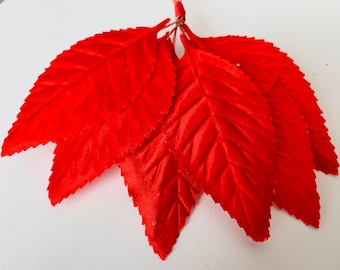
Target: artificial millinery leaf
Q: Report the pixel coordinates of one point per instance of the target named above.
(278, 78)
(295, 187)
(95, 79)
(81, 158)
(220, 131)
(161, 191)
(268, 67)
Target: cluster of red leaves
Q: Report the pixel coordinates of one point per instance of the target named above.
(233, 118)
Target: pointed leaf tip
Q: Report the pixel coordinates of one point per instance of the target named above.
(159, 189)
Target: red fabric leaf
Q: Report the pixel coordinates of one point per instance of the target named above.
(81, 158)
(295, 180)
(161, 191)
(95, 79)
(295, 189)
(220, 131)
(267, 66)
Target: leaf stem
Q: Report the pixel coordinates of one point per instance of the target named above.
(179, 10)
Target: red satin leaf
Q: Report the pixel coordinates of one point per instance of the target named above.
(161, 191)
(295, 180)
(295, 189)
(160, 188)
(85, 85)
(81, 158)
(220, 131)
(267, 67)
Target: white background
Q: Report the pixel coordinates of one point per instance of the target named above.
(99, 228)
